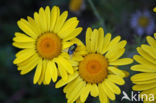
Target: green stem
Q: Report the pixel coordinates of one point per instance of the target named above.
(96, 13)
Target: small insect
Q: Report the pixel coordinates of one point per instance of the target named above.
(72, 49)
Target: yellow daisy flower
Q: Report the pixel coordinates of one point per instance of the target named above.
(146, 80)
(43, 42)
(97, 73)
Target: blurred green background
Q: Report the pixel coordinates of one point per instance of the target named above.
(116, 15)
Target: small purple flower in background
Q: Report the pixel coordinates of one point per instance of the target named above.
(143, 23)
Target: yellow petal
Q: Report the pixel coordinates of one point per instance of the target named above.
(38, 72)
(146, 55)
(42, 19)
(143, 68)
(76, 92)
(114, 42)
(116, 79)
(106, 42)
(143, 61)
(23, 55)
(88, 38)
(94, 90)
(145, 82)
(116, 71)
(85, 92)
(65, 64)
(151, 41)
(141, 87)
(62, 70)
(35, 26)
(113, 54)
(23, 38)
(150, 50)
(94, 38)
(100, 40)
(143, 76)
(26, 28)
(73, 34)
(113, 87)
(47, 16)
(61, 82)
(108, 91)
(27, 68)
(102, 95)
(24, 45)
(53, 71)
(123, 61)
(42, 76)
(60, 21)
(68, 27)
(55, 12)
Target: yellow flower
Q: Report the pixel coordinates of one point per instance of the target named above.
(146, 80)
(75, 5)
(43, 42)
(97, 73)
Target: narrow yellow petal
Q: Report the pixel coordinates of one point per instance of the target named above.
(60, 21)
(143, 61)
(23, 38)
(140, 87)
(24, 45)
(35, 26)
(42, 76)
(143, 76)
(116, 79)
(146, 55)
(48, 73)
(108, 91)
(85, 92)
(68, 27)
(151, 41)
(94, 38)
(100, 40)
(106, 42)
(23, 55)
(62, 70)
(143, 68)
(75, 33)
(102, 95)
(53, 71)
(47, 15)
(65, 64)
(145, 82)
(123, 61)
(116, 71)
(114, 54)
(42, 19)
(88, 38)
(27, 68)
(155, 35)
(26, 28)
(94, 90)
(150, 50)
(38, 72)
(113, 42)
(76, 92)
(55, 12)
(113, 87)
(61, 82)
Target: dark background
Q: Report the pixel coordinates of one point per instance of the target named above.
(15, 88)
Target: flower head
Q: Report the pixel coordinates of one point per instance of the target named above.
(97, 73)
(142, 23)
(146, 80)
(43, 43)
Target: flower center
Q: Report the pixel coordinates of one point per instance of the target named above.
(143, 21)
(48, 45)
(93, 68)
